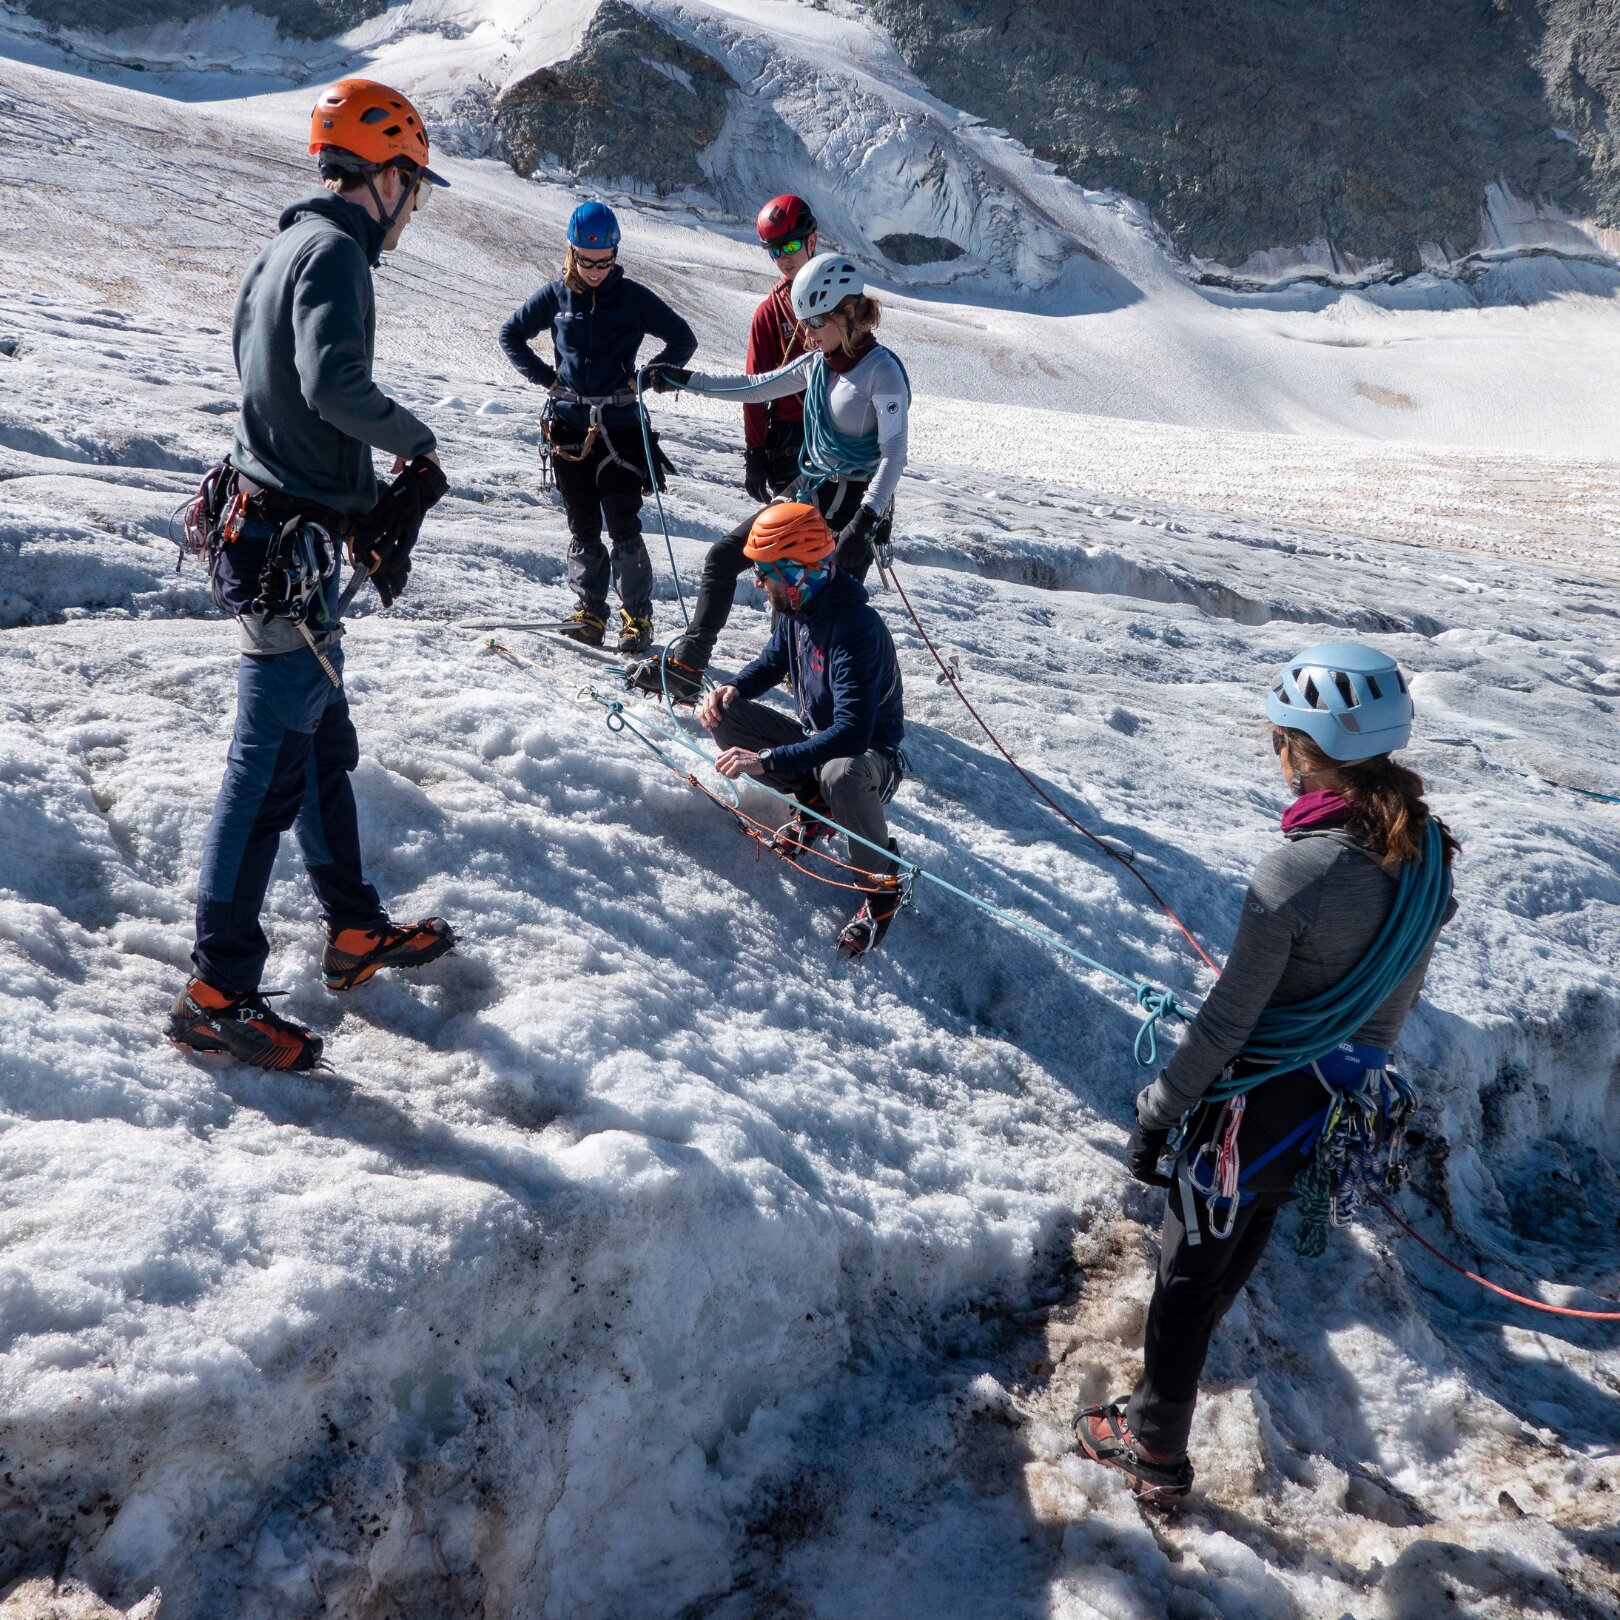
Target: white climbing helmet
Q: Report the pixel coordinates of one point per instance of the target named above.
(824, 283)
(1350, 700)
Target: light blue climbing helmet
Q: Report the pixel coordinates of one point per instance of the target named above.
(593, 225)
(1350, 700)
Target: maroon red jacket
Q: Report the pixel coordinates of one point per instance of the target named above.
(774, 339)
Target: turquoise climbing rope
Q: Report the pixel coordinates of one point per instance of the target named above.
(1295, 1036)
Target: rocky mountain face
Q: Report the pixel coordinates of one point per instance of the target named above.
(1244, 126)
(1372, 124)
(633, 101)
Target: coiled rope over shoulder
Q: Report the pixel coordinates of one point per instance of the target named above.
(1295, 1036)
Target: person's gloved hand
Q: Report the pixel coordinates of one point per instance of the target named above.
(667, 379)
(548, 374)
(1142, 1154)
(853, 549)
(1145, 1148)
(384, 537)
(757, 473)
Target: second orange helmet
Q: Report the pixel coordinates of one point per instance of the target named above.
(790, 531)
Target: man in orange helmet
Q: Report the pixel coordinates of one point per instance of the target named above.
(300, 479)
(841, 756)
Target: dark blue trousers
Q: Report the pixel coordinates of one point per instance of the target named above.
(289, 763)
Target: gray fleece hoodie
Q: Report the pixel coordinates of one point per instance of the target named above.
(1312, 912)
(304, 337)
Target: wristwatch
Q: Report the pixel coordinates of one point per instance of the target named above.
(764, 757)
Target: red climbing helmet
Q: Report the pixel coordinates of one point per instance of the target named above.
(783, 218)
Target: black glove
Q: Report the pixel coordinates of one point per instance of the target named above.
(389, 530)
(1143, 1151)
(853, 550)
(548, 375)
(667, 379)
(757, 473)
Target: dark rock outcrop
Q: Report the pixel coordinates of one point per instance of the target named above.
(906, 247)
(632, 101)
(1373, 124)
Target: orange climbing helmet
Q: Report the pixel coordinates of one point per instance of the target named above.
(370, 122)
(790, 531)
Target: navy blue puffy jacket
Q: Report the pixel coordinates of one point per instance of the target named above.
(595, 336)
(838, 656)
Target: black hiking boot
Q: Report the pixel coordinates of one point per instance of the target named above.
(204, 1019)
(661, 672)
(352, 955)
(584, 626)
(1158, 1481)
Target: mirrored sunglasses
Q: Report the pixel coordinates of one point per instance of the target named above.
(794, 244)
(816, 322)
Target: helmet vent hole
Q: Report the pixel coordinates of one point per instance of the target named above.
(1346, 690)
(375, 115)
(1312, 696)
(1372, 686)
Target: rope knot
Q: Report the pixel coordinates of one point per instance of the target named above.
(1156, 1004)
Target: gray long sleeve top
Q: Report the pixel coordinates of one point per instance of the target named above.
(871, 397)
(1312, 912)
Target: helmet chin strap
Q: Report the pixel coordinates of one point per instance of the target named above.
(388, 219)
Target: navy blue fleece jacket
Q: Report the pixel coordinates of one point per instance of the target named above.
(595, 336)
(838, 657)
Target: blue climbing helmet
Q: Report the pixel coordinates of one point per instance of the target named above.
(1350, 700)
(592, 225)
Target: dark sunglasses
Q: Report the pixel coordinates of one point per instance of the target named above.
(1279, 741)
(417, 181)
(816, 322)
(794, 244)
(597, 264)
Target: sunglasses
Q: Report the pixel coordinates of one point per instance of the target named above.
(417, 181)
(783, 250)
(1279, 741)
(790, 574)
(597, 264)
(816, 322)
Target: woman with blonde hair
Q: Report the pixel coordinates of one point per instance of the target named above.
(857, 401)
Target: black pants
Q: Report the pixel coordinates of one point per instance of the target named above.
(855, 788)
(725, 565)
(1195, 1288)
(595, 489)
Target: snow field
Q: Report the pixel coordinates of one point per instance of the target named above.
(641, 1258)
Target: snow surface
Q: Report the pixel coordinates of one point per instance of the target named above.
(642, 1258)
